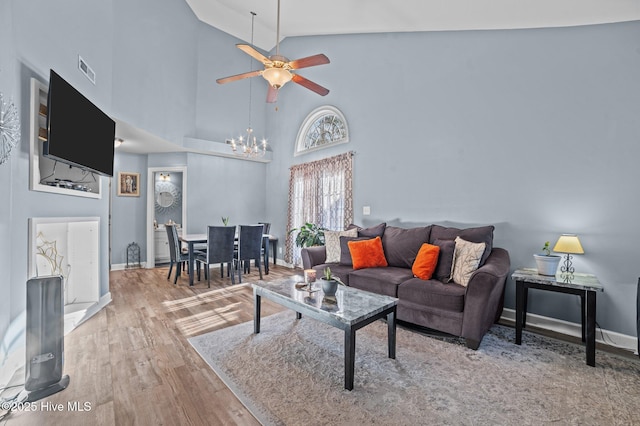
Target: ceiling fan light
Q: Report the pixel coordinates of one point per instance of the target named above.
(277, 77)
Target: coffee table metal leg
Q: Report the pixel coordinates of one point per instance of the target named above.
(391, 325)
(256, 312)
(349, 357)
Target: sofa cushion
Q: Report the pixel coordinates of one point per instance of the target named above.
(482, 234)
(367, 253)
(466, 259)
(401, 245)
(426, 261)
(433, 293)
(332, 243)
(371, 232)
(445, 259)
(345, 254)
(380, 280)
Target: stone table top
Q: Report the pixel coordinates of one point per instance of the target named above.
(349, 306)
(580, 281)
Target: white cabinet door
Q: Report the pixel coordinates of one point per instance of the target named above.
(161, 246)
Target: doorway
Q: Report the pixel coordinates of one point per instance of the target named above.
(166, 203)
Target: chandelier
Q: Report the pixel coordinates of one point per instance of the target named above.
(248, 146)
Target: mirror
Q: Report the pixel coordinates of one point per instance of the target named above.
(165, 199)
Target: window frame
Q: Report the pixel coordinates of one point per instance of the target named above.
(310, 122)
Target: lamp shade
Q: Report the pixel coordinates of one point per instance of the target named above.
(568, 243)
(277, 77)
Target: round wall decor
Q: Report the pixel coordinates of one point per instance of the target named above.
(9, 128)
(167, 197)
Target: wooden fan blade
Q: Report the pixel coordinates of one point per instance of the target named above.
(249, 50)
(309, 61)
(310, 85)
(238, 77)
(272, 95)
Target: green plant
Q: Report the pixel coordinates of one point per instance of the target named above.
(225, 220)
(328, 276)
(327, 273)
(309, 235)
(546, 250)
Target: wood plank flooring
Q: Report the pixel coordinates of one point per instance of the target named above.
(132, 362)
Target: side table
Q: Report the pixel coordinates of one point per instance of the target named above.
(584, 285)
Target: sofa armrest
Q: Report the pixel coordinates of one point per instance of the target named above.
(484, 298)
(312, 256)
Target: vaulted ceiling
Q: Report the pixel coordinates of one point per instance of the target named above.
(307, 17)
(313, 17)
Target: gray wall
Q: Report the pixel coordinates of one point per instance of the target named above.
(534, 131)
(224, 187)
(128, 214)
(154, 72)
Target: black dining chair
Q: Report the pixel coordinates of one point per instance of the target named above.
(249, 248)
(265, 243)
(220, 249)
(176, 255)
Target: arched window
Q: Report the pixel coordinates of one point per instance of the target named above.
(324, 126)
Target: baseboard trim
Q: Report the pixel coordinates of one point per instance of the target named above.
(281, 262)
(605, 337)
(123, 266)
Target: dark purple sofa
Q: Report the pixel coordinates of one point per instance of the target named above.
(449, 307)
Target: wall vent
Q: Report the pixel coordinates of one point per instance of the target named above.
(86, 70)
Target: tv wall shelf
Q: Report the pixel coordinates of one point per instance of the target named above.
(48, 175)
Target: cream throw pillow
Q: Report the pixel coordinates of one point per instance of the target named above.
(466, 259)
(332, 243)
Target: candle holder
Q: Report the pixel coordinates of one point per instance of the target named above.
(309, 278)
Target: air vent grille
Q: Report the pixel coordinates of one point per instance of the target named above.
(86, 70)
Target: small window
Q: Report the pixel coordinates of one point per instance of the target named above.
(324, 126)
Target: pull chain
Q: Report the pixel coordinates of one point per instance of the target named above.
(253, 17)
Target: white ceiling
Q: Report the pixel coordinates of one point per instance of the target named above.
(312, 17)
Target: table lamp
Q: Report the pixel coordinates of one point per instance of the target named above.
(568, 244)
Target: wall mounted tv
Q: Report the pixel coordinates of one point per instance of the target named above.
(78, 132)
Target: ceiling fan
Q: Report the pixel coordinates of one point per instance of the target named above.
(278, 69)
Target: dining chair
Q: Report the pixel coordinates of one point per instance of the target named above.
(220, 249)
(176, 255)
(265, 242)
(267, 226)
(249, 248)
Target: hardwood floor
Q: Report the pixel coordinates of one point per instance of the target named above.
(132, 364)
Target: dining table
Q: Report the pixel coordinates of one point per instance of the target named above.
(192, 239)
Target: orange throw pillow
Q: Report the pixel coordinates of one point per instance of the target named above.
(426, 261)
(367, 253)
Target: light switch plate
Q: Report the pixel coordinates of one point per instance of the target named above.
(366, 210)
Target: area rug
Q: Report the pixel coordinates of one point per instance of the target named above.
(292, 373)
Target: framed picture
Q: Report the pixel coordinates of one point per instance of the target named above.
(128, 184)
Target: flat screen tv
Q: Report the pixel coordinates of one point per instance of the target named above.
(78, 132)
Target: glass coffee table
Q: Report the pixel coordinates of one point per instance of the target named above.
(350, 310)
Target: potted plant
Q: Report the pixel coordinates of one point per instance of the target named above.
(225, 220)
(309, 235)
(547, 263)
(330, 283)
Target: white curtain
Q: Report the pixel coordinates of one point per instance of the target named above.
(320, 192)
